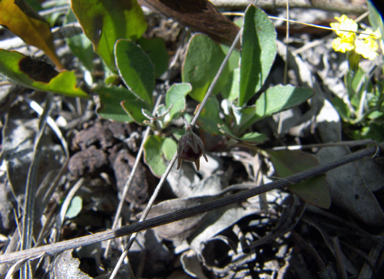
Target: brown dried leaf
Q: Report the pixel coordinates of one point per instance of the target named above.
(200, 15)
(179, 230)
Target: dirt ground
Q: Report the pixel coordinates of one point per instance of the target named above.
(273, 235)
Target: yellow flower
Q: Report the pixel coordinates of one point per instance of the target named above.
(367, 48)
(346, 28)
(342, 45)
(364, 44)
(369, 34)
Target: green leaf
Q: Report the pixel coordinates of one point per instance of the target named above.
(250, 138)
(314, 190)
(111, 98)
(209, 117)
(375, 19)
(374, 131)
(234, 59)
(156, 150)
(136, 69)
(75, 207)
(232, 87)
(258, 52)
(169, 148)
(175, 96)
(280, 98)
(358, 81)
(342, 108)
(348, 79)
(35, 4)
(375, 114)
(273, 100)
(202, 61)
(254, 137)
(133, 109)
(243, 115)
(38, 75)
(157, 52)
(80, 45)
(105, 21)
(55, 16)
(159, 115)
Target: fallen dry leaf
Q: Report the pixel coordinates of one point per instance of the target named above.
(200, 15)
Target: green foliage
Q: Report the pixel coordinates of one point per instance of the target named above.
(136, 69)
(134, 109)
(115, 30)
(273, 100)
(256, 59)
(104, 22)
(156, 149)
(175, 97)
(138, 65)
(363, 110)
(26, 23)
(80, 45)
(258, 52)
(157, 52)
(209, 117)
(375, 19)
(202, 61)
(111, 98)
(249, 138)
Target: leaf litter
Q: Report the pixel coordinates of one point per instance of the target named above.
(283, 238)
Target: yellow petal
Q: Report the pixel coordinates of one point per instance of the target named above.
(346, 28)
(341, 45)
(367, 48)
(334, 25)
(377, 34)
(368, 33)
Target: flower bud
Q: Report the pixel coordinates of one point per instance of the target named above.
(190, 147)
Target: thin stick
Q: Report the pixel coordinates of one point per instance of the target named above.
(318, 145)
(143, 216)
(128, 183)
(287, 50)
(58, 247)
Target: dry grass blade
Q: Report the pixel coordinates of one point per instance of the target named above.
(30, 190)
